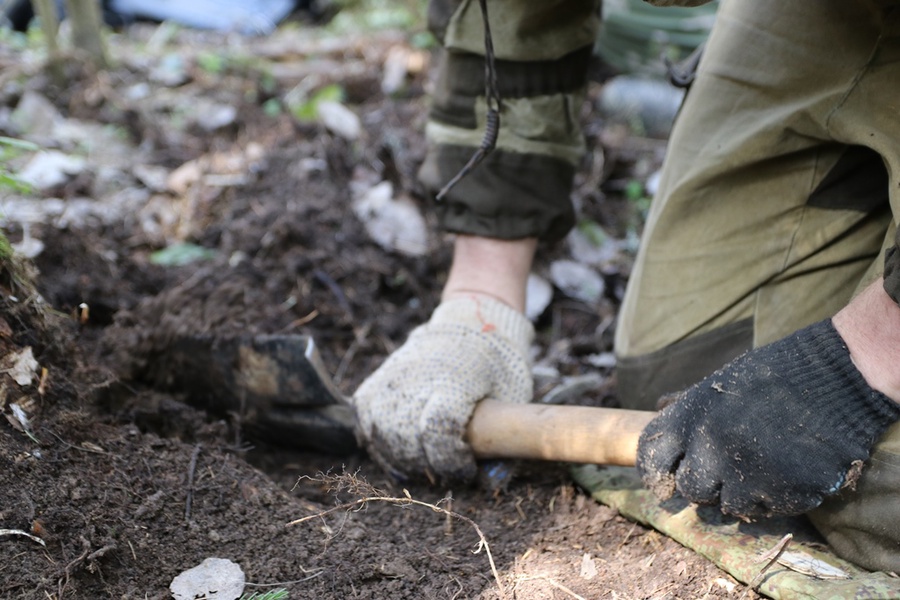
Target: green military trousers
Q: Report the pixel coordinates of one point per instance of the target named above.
(543, 51)
(779, 197)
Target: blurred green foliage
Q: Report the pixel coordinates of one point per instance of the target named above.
(367, 15)
(307, 109)
(9, 149)
(279, 594)
(180, 254)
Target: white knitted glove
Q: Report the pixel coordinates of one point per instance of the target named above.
(413, 411)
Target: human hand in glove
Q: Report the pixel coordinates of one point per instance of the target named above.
(772, 433)
(413, 411)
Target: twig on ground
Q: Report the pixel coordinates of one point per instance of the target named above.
(301, 321)
(349, 482)
(335, 288)
(192, 468)
(359, 336)
(284, 583)
(98, 553)
(313, 575)
(770, 557)
(22, 533)
(83, 449)
(448, 523)
(554, 583)
(518, 506)
(459, 591)
(62, 584)
(627, 537)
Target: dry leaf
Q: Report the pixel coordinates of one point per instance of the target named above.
(724, 584)
(5, 329)
(588, 567)
(24, 366)
(804, 563)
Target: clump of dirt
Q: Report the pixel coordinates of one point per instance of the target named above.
(122, 482)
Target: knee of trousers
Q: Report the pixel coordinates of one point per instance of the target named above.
(644, 379)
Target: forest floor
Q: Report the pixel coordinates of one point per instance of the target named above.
(202, 196)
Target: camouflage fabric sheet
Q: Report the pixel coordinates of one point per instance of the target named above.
(736, 546)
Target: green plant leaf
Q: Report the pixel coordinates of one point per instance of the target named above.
(178, 255)
(634, 190)
(18, 144)
(279, 594)
(272, 107)
(592, 231)
(213, 64)
(308, 111)
(10, 182)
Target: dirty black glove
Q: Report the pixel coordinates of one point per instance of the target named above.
(772, 433)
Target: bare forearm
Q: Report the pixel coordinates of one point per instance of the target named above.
(870, 326)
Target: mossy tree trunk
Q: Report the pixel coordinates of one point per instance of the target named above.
(87, 30)
(46, 12)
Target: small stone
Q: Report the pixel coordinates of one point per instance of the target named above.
(217, 578)
(647, 105)
(339, 120)
(395, 69)
(591, 245)
(51, 168)
(35, 115)
(217, 116)
(577, 281)
(153, 177)
(171, 71)
(538, 295)
(394, 223)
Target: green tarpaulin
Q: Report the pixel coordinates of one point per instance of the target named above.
(735, 546)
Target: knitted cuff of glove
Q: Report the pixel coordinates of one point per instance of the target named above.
(486, 315)
(825, 367)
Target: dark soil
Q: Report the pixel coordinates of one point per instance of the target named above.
(130, 482)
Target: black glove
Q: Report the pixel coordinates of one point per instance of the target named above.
(772, 433)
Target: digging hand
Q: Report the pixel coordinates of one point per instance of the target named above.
(413, 411)
(772, 433)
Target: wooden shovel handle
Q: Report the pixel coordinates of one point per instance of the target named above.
(577, 434)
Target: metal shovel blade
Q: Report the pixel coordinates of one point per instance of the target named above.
(276, 383)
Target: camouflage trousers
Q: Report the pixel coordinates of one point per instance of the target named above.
(543, 50)
(779, 201)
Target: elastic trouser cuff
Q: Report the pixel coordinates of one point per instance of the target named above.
(522, 187)
(507, 196)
